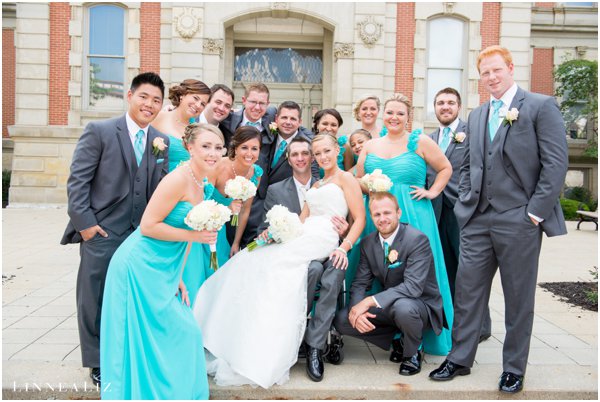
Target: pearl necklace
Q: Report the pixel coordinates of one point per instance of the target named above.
(245, 176)
(200, 185)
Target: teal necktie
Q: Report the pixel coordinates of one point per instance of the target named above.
(494, 122)
(139, 146)
(445, 139)
(386, 252)
(279, 152)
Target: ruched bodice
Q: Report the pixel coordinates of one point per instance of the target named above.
(327, 200)
(177, 152)
(178, 214)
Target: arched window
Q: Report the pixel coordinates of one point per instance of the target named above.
(445, 58)
(105, 57)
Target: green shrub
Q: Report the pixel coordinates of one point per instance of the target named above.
(5, 186)
(570, 208)
(583, 195)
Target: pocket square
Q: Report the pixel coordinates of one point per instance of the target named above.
(161, 160)
(395, 265)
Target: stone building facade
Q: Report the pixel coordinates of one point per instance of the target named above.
(61, 71)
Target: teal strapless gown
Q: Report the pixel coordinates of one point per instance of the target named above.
(150, 344)
(197, 268)
(223, 246)
(405, 170)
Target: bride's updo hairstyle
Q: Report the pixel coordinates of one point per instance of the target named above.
(241, 135)
(402, 99)
(192, 131)
(189, 86)
(327, 137)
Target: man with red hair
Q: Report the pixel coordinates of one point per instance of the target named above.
(510, 181)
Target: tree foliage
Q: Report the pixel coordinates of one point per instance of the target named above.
(578, 82)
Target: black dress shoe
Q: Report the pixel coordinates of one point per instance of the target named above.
(397, 351)
(484, 337)
(314, 363)
(448, 371)
(95, 375)
(510, 382)
(411, 365)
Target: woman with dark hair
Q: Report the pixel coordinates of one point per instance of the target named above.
(189, 99)
(244, 149)
(329, 121)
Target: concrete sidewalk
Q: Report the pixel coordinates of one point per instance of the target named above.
(41, 356)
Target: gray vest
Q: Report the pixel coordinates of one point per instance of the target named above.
(497, 188)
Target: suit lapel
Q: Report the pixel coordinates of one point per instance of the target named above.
(377, 252)
(516, 103)
(125, 145)
(436, 136)
(151, 161)
(293, 195)
(479, 140)
(395, 246)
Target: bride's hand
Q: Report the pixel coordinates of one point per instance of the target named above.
(339, 259)
(419, 193)
(185, 297)
(264, 236)
(236, 206)
(205, 236)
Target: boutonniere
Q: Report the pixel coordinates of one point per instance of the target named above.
(273, 128)
(459, 137)
(158, 146)
(511, 116)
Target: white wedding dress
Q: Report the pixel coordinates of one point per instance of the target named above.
(252, 311)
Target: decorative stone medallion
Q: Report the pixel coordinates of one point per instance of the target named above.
(370, 31)
(187, 23)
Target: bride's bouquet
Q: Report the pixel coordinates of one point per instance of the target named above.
(208, 215)
(239, 188)
(377, 181)
(283, 226)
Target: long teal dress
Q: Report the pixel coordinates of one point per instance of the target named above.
(150, 344)
(405, 170)
(197, 268)
(223, 245)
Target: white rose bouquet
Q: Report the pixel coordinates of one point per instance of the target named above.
(208, 215)
(239, 188)
(377, 181)
(283, 226)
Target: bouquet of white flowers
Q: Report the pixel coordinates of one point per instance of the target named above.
(283, 226)
(239, 188)
(377, 181)
(208, 215)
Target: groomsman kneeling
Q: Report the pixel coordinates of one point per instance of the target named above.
(400, 257)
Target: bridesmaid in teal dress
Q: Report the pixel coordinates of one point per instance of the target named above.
(189, 99)
(366, 111)
(404, 157)
(244, 149)
(150, 345)
(329, 121)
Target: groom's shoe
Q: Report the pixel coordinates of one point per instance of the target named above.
(510, 383)
(95, 375)
(411, 365)
(314, 363)
(397, 351)
(448, 371)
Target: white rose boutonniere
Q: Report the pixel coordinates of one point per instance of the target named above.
(459, 137)
(158, 146)
(511, 116)
(273, 128)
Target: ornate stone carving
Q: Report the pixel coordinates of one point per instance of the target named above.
(213, 46)
(369, 31)
(449, 7)
(280, 6)
(581, 51)
(343, 50)
(187, 23)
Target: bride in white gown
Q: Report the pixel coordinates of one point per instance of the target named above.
(252, 311)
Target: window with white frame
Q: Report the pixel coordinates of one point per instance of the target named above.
(105, 64)
(445, 58)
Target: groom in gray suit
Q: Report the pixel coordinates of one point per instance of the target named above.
(116, 166)
(400, 257)
(290, 193)
(451, 136)
(514, 169)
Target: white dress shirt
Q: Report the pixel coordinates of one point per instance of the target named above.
(453, 126)
(301, 189)
(506, 99)
(245, 120)
(133, 129)
(202, 119)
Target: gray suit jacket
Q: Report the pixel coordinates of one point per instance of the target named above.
(414, 278)
(282, 193)
(455, 154)
(534, 154)
(102, 173)
(233, 121)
